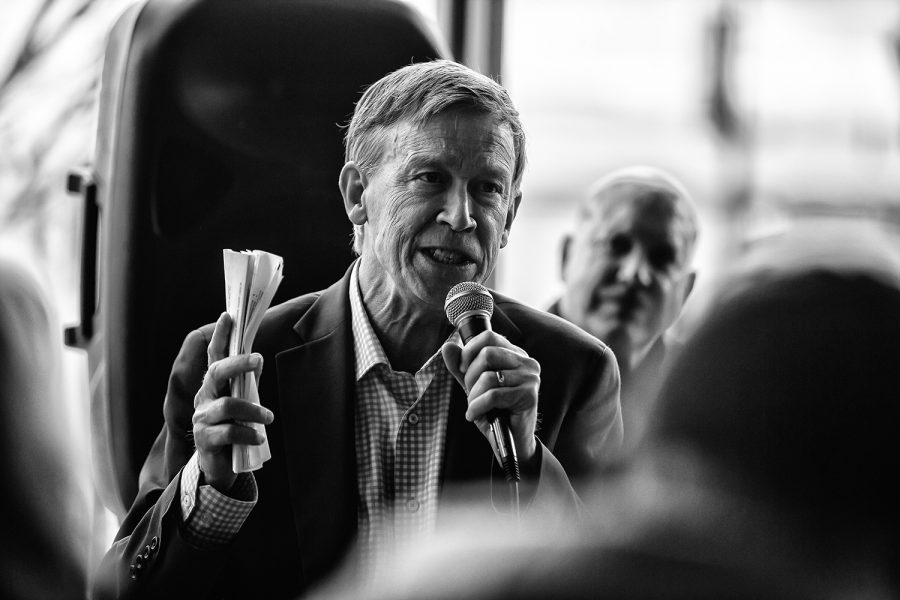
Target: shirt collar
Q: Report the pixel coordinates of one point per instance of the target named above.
(366, 346)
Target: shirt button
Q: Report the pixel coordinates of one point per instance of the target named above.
(413, 418)
(412, 505)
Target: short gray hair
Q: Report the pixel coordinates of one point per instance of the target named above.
(417, 93)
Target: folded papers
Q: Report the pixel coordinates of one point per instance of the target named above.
(251, 279)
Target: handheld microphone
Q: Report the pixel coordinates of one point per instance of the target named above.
(469, 307)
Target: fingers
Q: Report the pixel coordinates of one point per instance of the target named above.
(452, 354)
(518, 393)
(218, 345)
(220, 420)
(513, 379)
(519, 401)
(232, 409)
(216, 382)
(214, 437)
(226, 421)
(232, 366)
(485, 339)
(511, 360)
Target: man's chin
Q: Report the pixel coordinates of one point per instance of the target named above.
(434, 293)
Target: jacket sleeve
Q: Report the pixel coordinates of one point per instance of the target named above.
(149, 558)
(593, 432)
(590, 436)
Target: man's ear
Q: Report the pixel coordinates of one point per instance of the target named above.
(564, 255)
(691, 278)
(352, 183)
(510, 217)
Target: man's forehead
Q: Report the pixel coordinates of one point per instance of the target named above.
(441, 133)
(634, 201)
(632, 206)
(454, 122)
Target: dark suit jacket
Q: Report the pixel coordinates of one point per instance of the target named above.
(306, 516)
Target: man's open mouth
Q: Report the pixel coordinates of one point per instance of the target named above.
(626, 301)
(447, 256)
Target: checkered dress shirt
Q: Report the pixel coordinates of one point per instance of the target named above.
(400, 429)
(209, 517)
(401, 424)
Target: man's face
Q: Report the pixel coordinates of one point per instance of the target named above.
(438, 207)
(626, 274)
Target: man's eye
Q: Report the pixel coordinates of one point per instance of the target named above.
(620, 245)
(489, 187)
(430, 177)
(662, 258)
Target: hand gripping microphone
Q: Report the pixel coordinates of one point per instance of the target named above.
(469, 307)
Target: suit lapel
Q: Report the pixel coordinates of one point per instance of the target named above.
(316, 388)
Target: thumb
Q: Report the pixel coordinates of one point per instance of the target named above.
(452, 354)
(258, 370)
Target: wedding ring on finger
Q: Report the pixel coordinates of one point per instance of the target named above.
(501, 379)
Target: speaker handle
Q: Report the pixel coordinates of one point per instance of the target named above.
(81, 181)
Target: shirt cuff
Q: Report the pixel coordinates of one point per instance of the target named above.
(209, 517)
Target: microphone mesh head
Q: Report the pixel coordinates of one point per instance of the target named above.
(466, 297)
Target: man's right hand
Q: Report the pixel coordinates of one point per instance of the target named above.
(217, 415)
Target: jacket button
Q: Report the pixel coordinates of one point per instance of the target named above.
(146, 553)
(154, 543)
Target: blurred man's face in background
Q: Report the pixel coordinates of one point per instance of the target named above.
(625, 268)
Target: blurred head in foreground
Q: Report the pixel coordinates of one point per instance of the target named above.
(787, 393)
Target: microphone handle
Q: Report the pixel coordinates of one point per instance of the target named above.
(504, 444)
(472, 326)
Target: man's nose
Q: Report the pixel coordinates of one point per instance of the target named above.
(634, 267)
(456, 211)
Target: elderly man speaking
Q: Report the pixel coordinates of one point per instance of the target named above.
(374, 409)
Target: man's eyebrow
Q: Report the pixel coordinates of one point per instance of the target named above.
(419, 158)
(498, 169)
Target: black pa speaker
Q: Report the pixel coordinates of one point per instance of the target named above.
(219, 127)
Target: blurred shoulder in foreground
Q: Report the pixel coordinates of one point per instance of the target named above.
(43, 554)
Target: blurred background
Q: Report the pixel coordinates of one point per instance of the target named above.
(768, 110)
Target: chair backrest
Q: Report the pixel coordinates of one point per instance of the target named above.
(219, 128)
